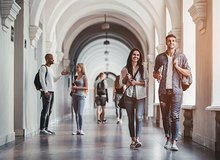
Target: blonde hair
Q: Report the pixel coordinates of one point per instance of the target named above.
(82, 66)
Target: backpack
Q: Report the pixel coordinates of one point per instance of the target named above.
(186, 82)
(101, 88)
(37, 83)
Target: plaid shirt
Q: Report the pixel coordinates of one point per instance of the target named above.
(162, 60)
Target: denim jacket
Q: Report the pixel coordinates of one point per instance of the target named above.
(162, 61)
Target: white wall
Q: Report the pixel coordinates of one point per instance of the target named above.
(6, 87)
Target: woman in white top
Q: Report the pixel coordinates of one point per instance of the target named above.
(134, 77)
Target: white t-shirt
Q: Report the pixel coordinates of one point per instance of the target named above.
(48, 84)
(169, 73)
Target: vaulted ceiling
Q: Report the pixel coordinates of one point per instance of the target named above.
(73, 27)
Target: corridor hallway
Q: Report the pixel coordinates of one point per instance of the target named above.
(101, 142)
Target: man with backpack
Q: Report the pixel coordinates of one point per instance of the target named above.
(47, 79)
(101, 98)
(169, 65)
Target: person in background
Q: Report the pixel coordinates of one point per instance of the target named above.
(168, 66)
(79, 89)
(134, 76)
(101, 97)
(47, 92)
(117, 94)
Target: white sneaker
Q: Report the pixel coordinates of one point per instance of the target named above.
(43, 131)
(52, 132)
(132, 145)
(167, 145)
(174, 147)
(138, 144)
(81, 132)
(76, 133)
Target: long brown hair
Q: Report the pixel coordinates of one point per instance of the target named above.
(139, 63)
(116, 83)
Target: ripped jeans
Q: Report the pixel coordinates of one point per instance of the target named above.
(131, 105)
(170, 105)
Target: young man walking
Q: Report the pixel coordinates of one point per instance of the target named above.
(167, 70)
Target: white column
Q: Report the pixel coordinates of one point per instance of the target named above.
(215, 57)
(189, 51)
(35, 33)
(9, 10)
(198, 12)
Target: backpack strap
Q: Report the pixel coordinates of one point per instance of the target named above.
(45, 73)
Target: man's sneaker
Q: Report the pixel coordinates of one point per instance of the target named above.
(43, 131)
(118, 122)
(167, 145)
(81, 132)
(138, 144)
(132, 145)
(174, 147)
(52, 132)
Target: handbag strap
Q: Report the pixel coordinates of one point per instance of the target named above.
(133, 78)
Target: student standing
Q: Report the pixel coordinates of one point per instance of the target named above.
(79, 90)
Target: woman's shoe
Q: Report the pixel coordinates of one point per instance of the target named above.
(132, 145)
(138, 144)
(99, 121)
(81, 132)
(104, 121)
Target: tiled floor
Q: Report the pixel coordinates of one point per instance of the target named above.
(101, 142)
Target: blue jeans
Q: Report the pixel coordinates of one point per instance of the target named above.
(78, 103)
(170, 105)
(131, 104)
(118, 110)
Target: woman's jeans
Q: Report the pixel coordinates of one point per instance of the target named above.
(170, 105)
(131, 104)
(118, 110)
(78, 104)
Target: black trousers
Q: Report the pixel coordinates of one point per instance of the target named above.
(46, 110)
